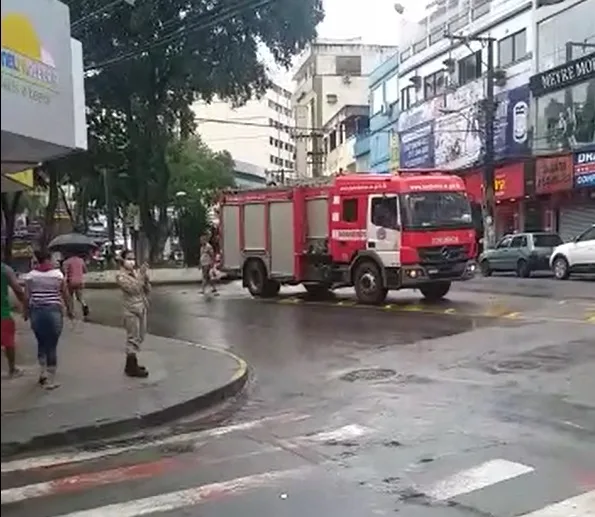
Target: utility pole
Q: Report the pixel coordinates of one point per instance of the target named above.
(109, 208)
(489, 111)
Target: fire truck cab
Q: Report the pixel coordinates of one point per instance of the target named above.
(372, 232)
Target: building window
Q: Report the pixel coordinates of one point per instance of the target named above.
(349, 210)
(470, 68)
(391, 90)
(348, 65)
(377, 99)
(434, 84)
(574, 24)
(512, 48)
(407, 97)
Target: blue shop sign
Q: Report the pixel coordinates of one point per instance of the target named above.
(417, 147)
(511, 124)
(584, 169)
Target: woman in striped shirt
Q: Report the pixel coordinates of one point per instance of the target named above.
(47, 296)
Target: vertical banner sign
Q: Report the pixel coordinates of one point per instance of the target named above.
(394, 151)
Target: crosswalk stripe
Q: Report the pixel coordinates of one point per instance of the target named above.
(80, 456)
(191, 496)
(580, 506)
(146, 470)
(486, 474)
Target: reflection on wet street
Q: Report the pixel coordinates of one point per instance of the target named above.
(480, 405)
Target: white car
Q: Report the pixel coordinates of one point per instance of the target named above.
(577, 256)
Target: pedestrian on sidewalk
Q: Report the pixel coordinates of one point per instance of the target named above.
(207, 262)
(136, 287)
(74, 268)
(47, 298)
(8, 330)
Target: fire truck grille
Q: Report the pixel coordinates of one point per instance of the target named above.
(442, 254)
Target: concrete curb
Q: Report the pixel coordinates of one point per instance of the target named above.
(101, 431)
(108, 284)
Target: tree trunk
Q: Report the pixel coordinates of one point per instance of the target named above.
(10, 205)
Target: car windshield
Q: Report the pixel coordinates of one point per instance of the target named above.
(547, 240)
(426, 210)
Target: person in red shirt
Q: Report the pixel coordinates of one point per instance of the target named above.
(74, 268)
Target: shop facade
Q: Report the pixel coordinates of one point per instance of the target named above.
(43, 102)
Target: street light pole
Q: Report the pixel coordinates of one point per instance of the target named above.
(489, 110)
(489, 234)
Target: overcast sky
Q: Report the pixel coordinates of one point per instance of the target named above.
(374, 21)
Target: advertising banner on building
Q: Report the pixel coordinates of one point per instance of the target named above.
(458, 134)
(417, 147)
(584, 169)
(554, 174)
(511, 124)
(509, 182)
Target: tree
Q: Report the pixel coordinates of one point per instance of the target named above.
(10, 206)
(197, 176)
(148, 63)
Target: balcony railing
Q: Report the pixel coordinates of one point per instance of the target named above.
(479, 9)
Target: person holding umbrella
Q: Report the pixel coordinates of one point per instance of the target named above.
(74, 268)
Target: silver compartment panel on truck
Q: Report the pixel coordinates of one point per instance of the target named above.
(254, 225)
(281, 227)
(232, 255)
(317, 214)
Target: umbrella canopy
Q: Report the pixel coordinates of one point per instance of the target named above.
(72, 240)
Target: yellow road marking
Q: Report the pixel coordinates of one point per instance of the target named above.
(412, 308)
(450, 311)
(512, 315)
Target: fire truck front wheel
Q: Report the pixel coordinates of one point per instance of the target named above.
(435, 291)
(369, 287)
(257, 280)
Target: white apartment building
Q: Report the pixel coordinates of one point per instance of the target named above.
(330, 76)
(259, 133)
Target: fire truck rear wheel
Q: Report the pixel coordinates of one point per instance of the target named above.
(436, 291)
(369, 287)
(256, 277)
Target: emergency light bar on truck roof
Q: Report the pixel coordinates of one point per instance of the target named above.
(373, 232)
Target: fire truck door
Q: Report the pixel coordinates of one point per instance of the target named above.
(384, 229)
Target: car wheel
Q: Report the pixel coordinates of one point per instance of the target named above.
(485, 269)
(561, 268)
(522, 269)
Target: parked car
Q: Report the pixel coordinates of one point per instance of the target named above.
(577, 256)
(521, 252)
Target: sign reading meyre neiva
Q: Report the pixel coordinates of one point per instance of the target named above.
(563, 76)
(28, 69)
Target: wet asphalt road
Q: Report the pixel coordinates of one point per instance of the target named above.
(480, 406)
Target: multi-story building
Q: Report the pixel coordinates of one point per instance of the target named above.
(378, 150)
(259, 133)
(563, 89)
(442, 84)
(331, 76)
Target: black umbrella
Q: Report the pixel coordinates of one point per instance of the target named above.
(72, 241)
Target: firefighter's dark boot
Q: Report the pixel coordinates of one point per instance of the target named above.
(132, 368)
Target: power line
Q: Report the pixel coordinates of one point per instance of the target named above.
(224, 15)
(107, 7)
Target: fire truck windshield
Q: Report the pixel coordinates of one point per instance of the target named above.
(429, 210)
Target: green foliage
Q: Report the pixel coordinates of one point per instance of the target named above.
(197, 175)
(148, 64)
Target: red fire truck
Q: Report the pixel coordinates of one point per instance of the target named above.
(372, 232)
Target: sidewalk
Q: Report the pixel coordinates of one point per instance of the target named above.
(96, 400)
(166, 276)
